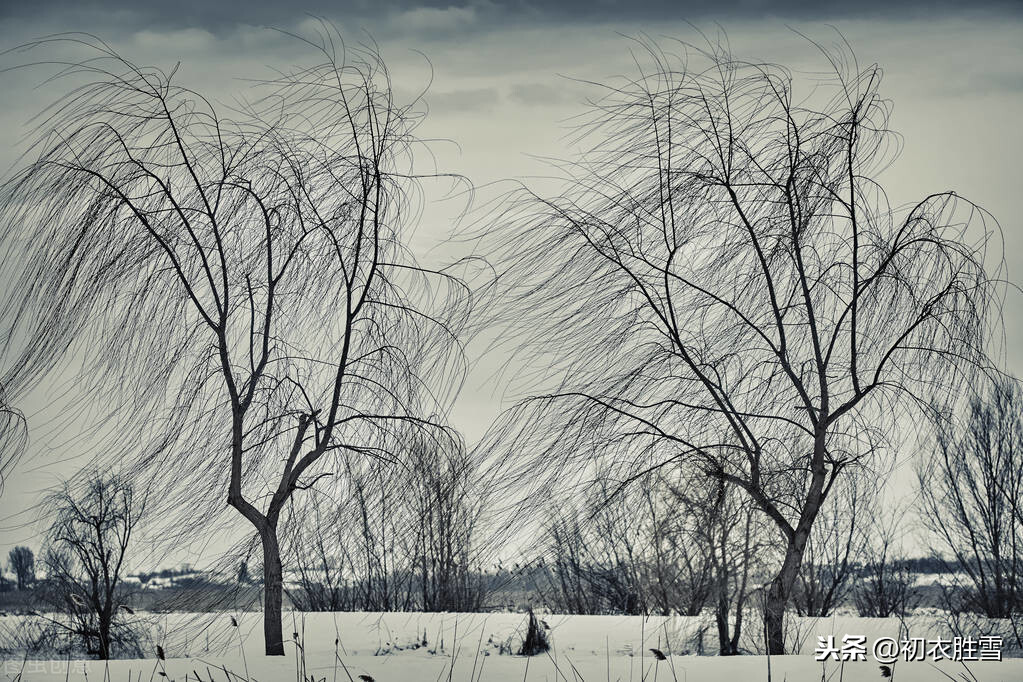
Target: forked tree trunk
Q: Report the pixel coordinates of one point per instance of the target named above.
(781, 587)
(780, 590)
(266, 526)
(273, 592)
(726, 647)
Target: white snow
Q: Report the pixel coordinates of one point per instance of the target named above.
(465, 647)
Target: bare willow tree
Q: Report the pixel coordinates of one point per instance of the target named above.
(971, 491)
(722, 281)
(240, 274)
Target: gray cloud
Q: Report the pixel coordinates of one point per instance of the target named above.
(469, 101)
(468, 15)
(540, 94)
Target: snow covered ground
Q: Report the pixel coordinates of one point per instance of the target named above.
(390, 647)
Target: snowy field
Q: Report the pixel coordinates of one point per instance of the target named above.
(386, 647)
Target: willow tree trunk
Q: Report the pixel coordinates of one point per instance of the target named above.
(778, 598)
(266, 527)
(781, 587)
(273, 592)
(104, 635)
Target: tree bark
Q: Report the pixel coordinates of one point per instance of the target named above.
(266, 526)
(780, 591)
(777, 598)
(273, 592)
(104, 636)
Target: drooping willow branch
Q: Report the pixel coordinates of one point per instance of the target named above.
(722, 284)
(238, 278)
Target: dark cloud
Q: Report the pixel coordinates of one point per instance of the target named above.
(462, 15)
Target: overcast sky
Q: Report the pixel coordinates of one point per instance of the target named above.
(503, 93)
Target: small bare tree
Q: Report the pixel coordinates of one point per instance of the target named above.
(722, 282)
(730, 530)
(682, 577)
(668, 546)
(87, 546)
(592, 557)
(971, 491)
(379, 554)
(885, 584)
(565, 571)
(323, 573)
(403, 538)
(23, 563)
(444, 511)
